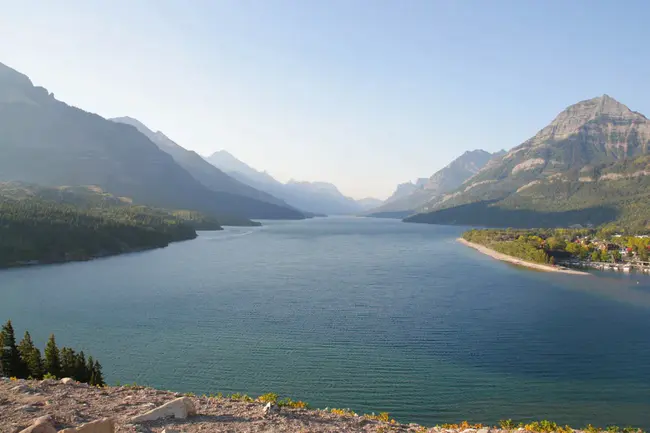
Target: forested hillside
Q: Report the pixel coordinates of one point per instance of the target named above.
(48, 225)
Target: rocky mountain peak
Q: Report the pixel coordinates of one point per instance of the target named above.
(17, 87)
(576, 116)
(11, 76)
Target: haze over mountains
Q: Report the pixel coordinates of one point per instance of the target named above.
(48, 142)
(591, 165)
(316, 197)
(209, 175)
(411, 196)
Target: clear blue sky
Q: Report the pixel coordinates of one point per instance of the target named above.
(365, 94)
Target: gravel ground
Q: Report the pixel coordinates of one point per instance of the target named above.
(72, 404)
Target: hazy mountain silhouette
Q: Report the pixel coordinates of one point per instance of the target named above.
(316, 197)
(48, 142)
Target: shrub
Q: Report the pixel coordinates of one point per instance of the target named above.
(343, 412)
(383, 417)
(241, 397)
(269, 397)
(287, 402)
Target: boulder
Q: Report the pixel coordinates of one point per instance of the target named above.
(23, 389)
(271, 409)
(179, 408)
(67, 380)
(44, 419)
(41, 425)
(104, 425)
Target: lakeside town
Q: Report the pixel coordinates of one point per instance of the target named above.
(573, 248)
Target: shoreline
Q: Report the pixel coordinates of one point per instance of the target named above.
(515, 261)
(140, 408)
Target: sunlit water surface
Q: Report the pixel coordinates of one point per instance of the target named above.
(374, 315)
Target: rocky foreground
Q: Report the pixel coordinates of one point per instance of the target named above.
(51, 406)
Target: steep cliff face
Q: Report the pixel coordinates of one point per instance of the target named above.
(587, 156)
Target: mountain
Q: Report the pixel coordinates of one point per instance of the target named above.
(319, 197)
(206, 173)
(312, 197)
(229, 164)
(405, 189)
(591, 165)
(410, 196)
(45, 141)
(369, 203)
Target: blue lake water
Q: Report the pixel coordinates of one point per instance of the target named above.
(374, 315)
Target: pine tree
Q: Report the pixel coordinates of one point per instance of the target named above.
(31, 357)
(80, 371)
(68, 360)
(90, 365)
(12, 363)
(2, 345)
(52, 362)
(97, 378)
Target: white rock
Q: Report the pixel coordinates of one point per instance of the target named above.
(167, 430)
(179, 408)
(105, 425)
(271, 408)
(483, 430)
(67, 380)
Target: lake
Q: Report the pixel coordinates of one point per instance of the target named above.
(368, 314)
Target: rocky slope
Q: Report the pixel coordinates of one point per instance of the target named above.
(589, 166)
(56, 405)
(47, 142)
(410, 196)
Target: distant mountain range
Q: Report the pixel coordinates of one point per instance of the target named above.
(47, 142)
(408, 197)
(206, 173)
(314, 197)
(590, 166)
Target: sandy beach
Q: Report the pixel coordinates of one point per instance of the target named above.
(506, 258)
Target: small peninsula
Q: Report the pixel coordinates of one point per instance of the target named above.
(519, 262)
(564, 250)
